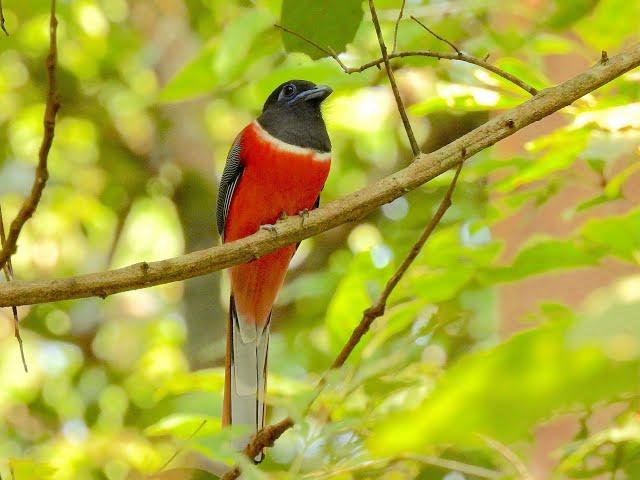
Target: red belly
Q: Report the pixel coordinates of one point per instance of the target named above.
(274, 180)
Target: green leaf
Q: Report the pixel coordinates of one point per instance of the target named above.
(463, 98)
(206, 380)
(503, 392)
(542, 256)
(436, 285)
(611, 22)
(619, 236)
(352, 296)
(591, 451)
(524, 71)
(562, 149)
(547, 44)
(590, 203)
(567, 13)
(613, 189)
(331, 24)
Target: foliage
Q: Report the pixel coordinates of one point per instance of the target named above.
(153, 94)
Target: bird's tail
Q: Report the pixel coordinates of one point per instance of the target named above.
(245, 375)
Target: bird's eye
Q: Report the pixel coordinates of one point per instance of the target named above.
(289, 90)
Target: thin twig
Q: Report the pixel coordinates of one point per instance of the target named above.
(462, 57)
(457, 50)
(4, 29)
(182, 447)
(395, 30)
(31, 202)
(122, 220)
(329, 52)
(267, 436)
(8, 274)
(392, 80)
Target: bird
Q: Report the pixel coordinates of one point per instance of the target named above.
(277, 166)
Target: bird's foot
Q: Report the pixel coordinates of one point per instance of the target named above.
(283, 216)
(269, 227)
(304, 214)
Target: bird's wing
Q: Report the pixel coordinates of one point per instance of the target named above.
(230, 177)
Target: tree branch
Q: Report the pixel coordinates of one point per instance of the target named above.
(462, 57)
(347, 209)
(392, 80)
(31, 202)
(395, 29)
(273, 432)
(456, 49)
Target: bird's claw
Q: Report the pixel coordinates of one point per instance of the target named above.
(304, 214)
(283, 216)
(269, 228)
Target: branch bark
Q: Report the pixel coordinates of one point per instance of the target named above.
(42, 175)
(346, 209)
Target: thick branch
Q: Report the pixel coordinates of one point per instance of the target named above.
(31, 202)
(392, 81)
(462, 57)
(348, 209)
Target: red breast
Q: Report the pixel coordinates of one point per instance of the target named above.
(278, 177)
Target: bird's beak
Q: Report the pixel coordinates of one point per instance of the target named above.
(319, 92)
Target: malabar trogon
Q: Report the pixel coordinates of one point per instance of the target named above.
(277, 165)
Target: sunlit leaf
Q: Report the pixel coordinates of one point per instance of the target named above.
(352, 296)
(542, 256)
(602, 29)
(503, 392)
(619, 235)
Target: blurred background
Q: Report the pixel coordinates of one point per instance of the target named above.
(511, 347)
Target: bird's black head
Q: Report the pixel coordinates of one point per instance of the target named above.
(292, 114)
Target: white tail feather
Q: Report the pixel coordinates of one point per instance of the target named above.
(248, 375)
